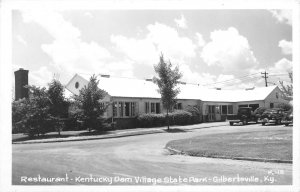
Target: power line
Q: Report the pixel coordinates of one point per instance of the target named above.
(237, 78)
(249, 79)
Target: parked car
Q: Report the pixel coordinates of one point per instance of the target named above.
(274, 115)
(288, 118)
(244, 116)
(259, 111)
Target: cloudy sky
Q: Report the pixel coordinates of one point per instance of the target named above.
(215, 48)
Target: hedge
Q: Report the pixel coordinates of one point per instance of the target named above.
(179, 117)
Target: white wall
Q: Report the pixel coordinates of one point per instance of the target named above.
(273, 99)
(71, 85)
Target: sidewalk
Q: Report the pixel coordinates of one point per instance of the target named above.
(125, 133)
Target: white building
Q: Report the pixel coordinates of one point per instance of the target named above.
(131, 97)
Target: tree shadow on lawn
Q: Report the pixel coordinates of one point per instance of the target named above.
(62, 135)
(87, 133)
(175, 130)
(26, 137)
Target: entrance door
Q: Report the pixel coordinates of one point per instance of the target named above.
(211, 113)
(217, 113)
(214, 113)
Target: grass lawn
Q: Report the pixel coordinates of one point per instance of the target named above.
(275, 144)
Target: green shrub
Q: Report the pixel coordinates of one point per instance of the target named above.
(179, 117)
(151, 120)
(285, 106)
(196, 113)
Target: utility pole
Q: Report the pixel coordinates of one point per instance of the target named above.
(265, 77)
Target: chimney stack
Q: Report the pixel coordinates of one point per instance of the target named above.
(21, 80)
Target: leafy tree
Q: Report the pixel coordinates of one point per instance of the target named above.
(32, 115)
(288, 89)
(167, 82)
(90, 107)
(285, 106)
(58, 107)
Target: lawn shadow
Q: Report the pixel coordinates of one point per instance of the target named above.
(26, 137)
(175, 130)
(102, 132)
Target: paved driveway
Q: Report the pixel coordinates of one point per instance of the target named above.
(139, 160)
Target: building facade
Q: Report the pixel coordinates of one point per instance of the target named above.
(129, 98)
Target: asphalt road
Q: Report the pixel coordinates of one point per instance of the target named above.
(140, 160)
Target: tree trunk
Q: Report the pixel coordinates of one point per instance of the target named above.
(168, 122)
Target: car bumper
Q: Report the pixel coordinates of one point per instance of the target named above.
(286, 121)
(266, 120)
(234, 121)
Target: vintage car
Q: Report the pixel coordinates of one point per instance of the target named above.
(288, 118)
(274, 115)
(244, 116)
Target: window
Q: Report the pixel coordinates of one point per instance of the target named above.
(230, 109)
(115, 109)
(224, 109)
(146, 107)
(127, 109)
(152, 107)
(271, 105)
(243, 106)
(121, 107)
(102, 105)
(254, 106)
(157, 108)
(179, 106)
(132, 109)
(76, 85)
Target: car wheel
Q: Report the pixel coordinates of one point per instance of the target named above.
(263, 124)
(245, 122)
(231, 123)
(286, 124)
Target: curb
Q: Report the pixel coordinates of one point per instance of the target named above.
(178, 152)
(128, 134)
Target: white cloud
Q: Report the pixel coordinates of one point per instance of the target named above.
(21, 40)
(53, 22)
(230, 50)
(200, 40)
(69, 53)
(283, 15)
(282, 66)
(195, 77)
(159, 39)
(40, 77)
(286, 47)
(141, 51)
(181, 22)
(89, 14)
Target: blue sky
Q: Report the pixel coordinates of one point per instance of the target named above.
(209, 46)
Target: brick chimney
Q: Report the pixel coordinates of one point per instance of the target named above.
(21, 80)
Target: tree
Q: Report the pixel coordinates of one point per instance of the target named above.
(58, 107)
(32, 115)
(167, 82)
(90, 107)
(287, 89)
